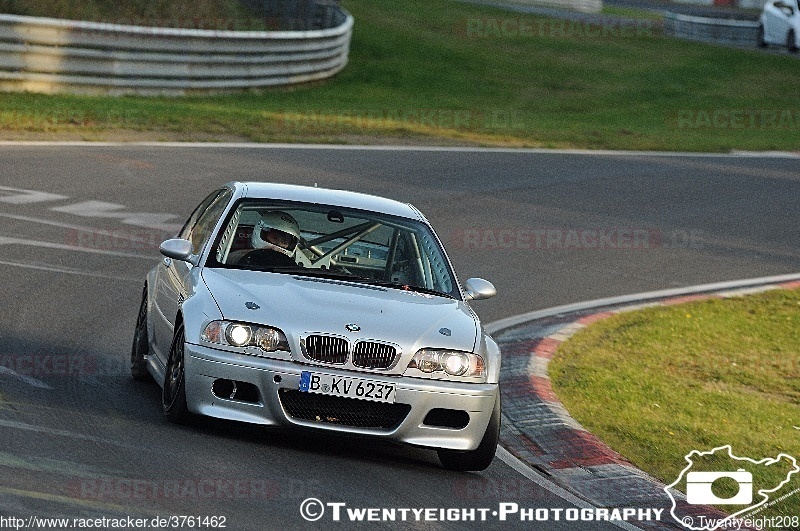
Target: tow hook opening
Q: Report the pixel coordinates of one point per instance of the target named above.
(453, 419)
(235, 390)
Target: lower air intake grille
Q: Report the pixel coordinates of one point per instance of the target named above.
(343, 411)
(373, 355)
(326, 349)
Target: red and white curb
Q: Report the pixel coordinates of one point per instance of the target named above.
(538, 430)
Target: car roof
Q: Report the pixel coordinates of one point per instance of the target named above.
(326, 196)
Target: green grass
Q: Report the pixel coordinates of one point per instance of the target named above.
(442, 72)
(205, 14)
(658, 383)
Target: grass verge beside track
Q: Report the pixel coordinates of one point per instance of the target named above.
(447, 72)
(658, 383)
(202, 14)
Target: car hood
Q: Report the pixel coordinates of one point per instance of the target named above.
(301, 305)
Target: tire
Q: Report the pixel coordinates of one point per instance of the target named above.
(481, 457)
(173, 395)
(791, 41)
(141, 345)
(761, 42)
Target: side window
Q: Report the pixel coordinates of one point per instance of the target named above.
(201, 223)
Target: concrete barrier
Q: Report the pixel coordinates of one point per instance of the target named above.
(715, 30)
(51, 55)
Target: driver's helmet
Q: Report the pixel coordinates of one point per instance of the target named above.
(277, 231)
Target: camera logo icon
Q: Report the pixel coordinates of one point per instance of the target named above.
(698, 488)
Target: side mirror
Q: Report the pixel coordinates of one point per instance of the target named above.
(477, 289)
(178, 249)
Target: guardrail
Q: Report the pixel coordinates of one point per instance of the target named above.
(715, 30)
(51, 55)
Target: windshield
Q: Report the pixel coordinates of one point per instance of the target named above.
(319, 240)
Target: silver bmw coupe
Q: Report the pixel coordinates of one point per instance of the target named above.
(322, 309)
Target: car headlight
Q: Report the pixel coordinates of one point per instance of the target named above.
(451, 362)
(238, 335)
(266, 338)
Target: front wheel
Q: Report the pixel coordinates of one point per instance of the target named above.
(173, 396)
(141, 345)
(791, 42)
(481, 457)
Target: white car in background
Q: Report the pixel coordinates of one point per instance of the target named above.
(780, 24)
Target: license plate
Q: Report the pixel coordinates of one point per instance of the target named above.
(327, 384)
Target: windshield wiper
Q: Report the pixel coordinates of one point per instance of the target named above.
(405, 287)
(311, 272)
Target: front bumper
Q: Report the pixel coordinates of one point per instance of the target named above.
(205, 365)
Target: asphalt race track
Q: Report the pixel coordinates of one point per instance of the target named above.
(80, 439)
